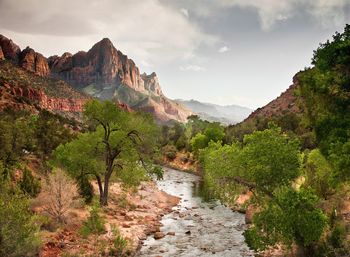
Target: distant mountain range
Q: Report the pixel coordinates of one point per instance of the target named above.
(228, 114)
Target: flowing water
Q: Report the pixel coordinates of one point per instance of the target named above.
(202, 228)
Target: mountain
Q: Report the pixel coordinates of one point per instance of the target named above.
(228, 114)
(287, 102)
(103, 72)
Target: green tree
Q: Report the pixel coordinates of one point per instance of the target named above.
(19, 228)
(118, 140)
(267, 163)
(198, 142)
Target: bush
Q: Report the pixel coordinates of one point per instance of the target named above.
(18, 226)
(60, 192)
(170, 152)
(120, 244)
(85, 189)
(29, 184)
(94, 224)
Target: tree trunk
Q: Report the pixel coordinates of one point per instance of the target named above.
(100, 188)
(104, 196)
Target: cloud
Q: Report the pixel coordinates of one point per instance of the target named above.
(147, 30)
(192, 68)
(184, 12)
(223, 49)
(270, 12)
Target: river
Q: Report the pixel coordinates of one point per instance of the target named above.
(202, 228)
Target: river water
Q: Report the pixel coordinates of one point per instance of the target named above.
(202, 228)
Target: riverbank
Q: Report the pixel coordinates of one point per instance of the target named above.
(136, 214)
(195, 227)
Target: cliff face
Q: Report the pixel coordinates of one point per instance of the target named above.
(103, 70)
(10, 50)
(34, 62)
(2, 57)
(27, 59)
(151, 83)
(102, 65)
(99, 72)
(17, 97)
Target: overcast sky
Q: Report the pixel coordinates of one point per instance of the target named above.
(241, 52)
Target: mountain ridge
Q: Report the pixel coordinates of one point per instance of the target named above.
(226, 114)
(102, 70)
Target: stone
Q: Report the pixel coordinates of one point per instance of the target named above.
(159, 235)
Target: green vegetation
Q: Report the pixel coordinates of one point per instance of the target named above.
(117, 142)
(19, 228)
(298, 170)
(94, 224)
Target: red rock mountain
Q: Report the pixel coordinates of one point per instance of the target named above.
(286, 102)
(103, 72)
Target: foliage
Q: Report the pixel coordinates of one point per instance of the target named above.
(119, 142)
(325, 90)
(49, 132)
(14, 135)
(18, 226)
(319, 174)
(292, 216)
(198, 142)
(120, 244)
(94, 224)
(29, 184)
(267, 163)
(86, 190)
(169, 152)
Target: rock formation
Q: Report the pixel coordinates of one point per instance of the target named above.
(2, 57)
(10, 50)
(151, 83)
(34, 62)
(100, 72)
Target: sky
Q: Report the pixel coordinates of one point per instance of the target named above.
(242, 52)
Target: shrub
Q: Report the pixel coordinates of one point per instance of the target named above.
(18, 226)
(94, 224)
(85, 189)
(170, 152)
(120, 244)
(29, 184)
(60, 192)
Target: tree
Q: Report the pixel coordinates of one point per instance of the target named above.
(267, 164)
(325, 89)
(60, 192)
(117, 140)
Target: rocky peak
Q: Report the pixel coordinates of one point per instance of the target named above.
(2, 57)
(34, 62)
(10, 50)
(151, 83)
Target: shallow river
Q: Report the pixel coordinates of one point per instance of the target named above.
(201, 228)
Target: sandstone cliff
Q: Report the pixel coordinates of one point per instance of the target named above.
(100, 72)
(34, 62)
(22, 90)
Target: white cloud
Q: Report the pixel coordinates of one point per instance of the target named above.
(223, 49)
(184, 12)
(192, 67)
(147, 30)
